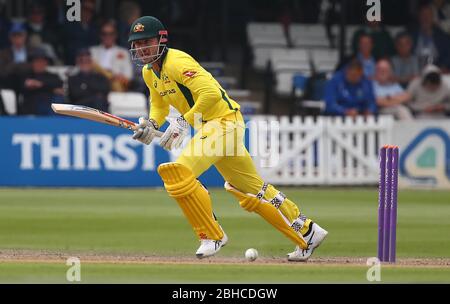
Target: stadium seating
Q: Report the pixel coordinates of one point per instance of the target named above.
(325, 60)
(395, 30)
(9, 101)
(286, 63)
(308, 94)
(227, 82)
(262, 39)
(243, 97)
(309, 53)
(128, 104)
(447, 80)
(261, 56)
(62, 71)
(265, 33)
(309, 36)
(216, 68)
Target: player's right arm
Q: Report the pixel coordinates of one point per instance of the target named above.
(157, 116)
(158, 108)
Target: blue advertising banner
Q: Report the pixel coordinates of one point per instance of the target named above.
(59, 151)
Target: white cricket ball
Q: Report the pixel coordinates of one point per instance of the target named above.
(251, 254)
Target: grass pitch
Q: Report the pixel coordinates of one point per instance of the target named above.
(146, 222)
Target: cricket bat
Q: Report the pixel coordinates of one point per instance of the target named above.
(95, 115)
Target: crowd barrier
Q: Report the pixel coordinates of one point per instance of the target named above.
(69, 152)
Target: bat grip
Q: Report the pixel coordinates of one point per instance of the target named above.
(158, 133)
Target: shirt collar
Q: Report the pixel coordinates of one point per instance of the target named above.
(160, 64)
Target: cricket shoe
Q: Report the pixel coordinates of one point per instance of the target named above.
(210, 247)
(313, 239)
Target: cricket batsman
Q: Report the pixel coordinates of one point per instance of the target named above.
(175, 79)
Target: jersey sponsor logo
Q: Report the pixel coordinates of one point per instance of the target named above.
(190, 74)
(138, 28)
(165, 78)
(166, 92)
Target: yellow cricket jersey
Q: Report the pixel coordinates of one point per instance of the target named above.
(188, 87)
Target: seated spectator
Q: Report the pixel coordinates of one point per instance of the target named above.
(88, 87)
(430, 96)
(39, 88)
(405, 63)
(364, 54)
(349, 92)
(441, 12)
(383, 45)
(39, 32)
(432, 45)
(80, 35)
(112, 61)
(14, 59)
(389, 94)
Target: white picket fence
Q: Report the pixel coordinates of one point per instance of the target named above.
(321, 151)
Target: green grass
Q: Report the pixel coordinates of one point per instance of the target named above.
(246, 273)
(146, 221)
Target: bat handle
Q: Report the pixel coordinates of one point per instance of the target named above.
(158, 133)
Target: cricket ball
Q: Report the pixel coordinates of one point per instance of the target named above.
(251, 254)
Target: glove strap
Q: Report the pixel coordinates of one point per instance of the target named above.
(182, 122)
(154, 123)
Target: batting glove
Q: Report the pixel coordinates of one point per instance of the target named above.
(175, 134)
(146, 130)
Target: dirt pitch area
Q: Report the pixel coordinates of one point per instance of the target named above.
(35, 256)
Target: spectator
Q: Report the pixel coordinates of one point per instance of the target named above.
(111, 60)
(13, 60)
(389, 94)
(364, 54)
(38, 30)
(405, 63)
(349, 92)
(39, 88)
(129, 12)
(79, 35)
(432, 45)
(441, 12)
(383, 45)
(430, 95)
(88, 87)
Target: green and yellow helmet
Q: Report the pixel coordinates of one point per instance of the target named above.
(144, 28)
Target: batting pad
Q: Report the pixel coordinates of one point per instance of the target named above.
(268, 212)
(193, 199)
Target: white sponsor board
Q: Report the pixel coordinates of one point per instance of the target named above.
(424, 153)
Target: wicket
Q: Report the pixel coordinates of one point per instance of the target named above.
(387, 203)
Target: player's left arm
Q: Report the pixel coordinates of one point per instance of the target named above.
(200, 84)
(192, 76)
